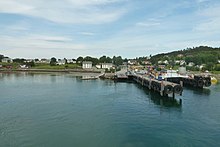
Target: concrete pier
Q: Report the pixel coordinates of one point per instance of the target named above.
(197, 81)
(165, 88)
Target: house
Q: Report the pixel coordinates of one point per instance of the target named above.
(201, 66)
(106, 65)
(44, 61)
(7, 60)
(23, 66)
(61, 61)
(70, 60)
(146, 62)
(161, 66)
(191, 64)
(29, 60)
(177, 62)
(86, 64)
(98, 66)
(166, 62)
(180, 55)
(132, 62)
(182, 62)
(159, 62)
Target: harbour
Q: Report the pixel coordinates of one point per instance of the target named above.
(63, 110)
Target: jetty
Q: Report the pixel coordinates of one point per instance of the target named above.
(165, 88)
(197, 81)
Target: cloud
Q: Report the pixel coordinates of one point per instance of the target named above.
(12, 6)
(19, 26)
(210, 22)
(66, 11)
(40, 46)
(87, 33)
(147, 24)
(50, 38)
(201, 1)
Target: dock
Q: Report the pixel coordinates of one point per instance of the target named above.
(164, 88)
(168, 87)
(198, 81)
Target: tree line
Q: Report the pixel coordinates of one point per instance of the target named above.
(116, 60)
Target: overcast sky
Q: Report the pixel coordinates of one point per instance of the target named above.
(130, 28)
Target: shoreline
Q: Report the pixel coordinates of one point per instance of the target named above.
(51, 70)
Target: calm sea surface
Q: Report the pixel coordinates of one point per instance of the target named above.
(49, 110)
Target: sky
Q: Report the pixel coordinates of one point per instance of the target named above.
(129, 28)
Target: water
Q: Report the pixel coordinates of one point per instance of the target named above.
(53, 110)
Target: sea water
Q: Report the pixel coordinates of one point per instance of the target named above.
(54, 110)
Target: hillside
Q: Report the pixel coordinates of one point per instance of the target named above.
(198, 55)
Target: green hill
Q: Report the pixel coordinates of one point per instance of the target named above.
(198, 55)
(208, 57)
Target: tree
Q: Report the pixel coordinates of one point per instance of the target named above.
(79, 59)
(53, 61)
(209, 66)
(102, 59)
(36, 60)
(105, 59)
(117, 60)
(30, 64)
(17, 60)
(87, 58)
(1, 57)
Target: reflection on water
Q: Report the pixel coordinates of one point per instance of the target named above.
(199, 91)
(159, 100)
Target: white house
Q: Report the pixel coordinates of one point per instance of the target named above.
(7, 60)
(61, 61)
(201, 66)
(166, 62)
(177, 61)
(70, 61)
(132, 62)
(182, 62)
(159, 62)
(146, 62)
(29, 60)
(98, 66)
(107, 65)
(86, 64)
(191, 64)
(23, 66)
(44, 61)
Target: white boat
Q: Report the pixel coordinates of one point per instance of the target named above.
(89, 77)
